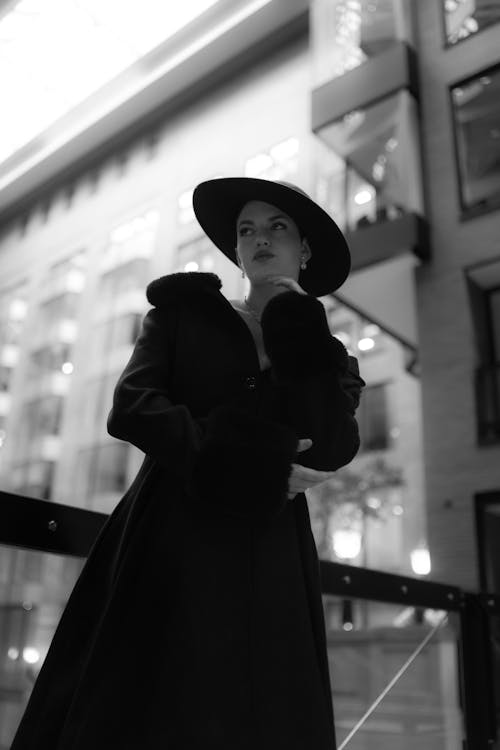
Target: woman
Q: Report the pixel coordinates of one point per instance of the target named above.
(197, 620)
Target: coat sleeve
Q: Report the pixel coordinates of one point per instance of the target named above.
(230, 461)
(320, 382)
(142, 412)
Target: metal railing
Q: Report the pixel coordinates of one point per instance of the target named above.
(43, 526)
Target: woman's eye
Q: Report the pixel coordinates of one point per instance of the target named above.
(244, 231)
(279, 224)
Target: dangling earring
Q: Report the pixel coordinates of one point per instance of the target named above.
(242, 274)
(303, 265)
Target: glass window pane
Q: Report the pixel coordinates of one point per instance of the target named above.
(380, 148)
(476, 109)
(368, 643)
(347, 34)
(464, 18)
(34, 589)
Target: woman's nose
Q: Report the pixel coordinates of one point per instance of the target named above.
(262, 239)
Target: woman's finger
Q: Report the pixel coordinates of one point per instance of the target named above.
(305, 474)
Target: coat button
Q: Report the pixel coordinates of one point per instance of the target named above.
(250, 383)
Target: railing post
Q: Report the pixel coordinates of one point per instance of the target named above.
(476, 674)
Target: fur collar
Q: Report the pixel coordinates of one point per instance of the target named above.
(177, 287)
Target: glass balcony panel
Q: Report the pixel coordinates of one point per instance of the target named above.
(368, 644)
(34, 589)
(347, 33)
(380, 148)
(465, 18)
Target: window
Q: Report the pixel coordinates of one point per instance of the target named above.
(379, 147)
(463, 18)
(122, 279)
(279, 162)
(101, 469)
(483, 284)
(347, 34)
(373, 418)
(476, 112)
(114, 333)
(132, 239)
(34, 479)
(197, 255)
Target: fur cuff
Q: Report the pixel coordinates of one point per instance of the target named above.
(297, 338)
(243, 465)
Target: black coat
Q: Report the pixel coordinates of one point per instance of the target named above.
(197, 622)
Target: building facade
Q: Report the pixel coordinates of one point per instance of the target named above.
(387, 113)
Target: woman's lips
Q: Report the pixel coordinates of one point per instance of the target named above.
(263, 256)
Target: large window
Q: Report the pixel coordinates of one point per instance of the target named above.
(465, 18)
(347, 33)
(279, 162)
(483, 284)
(101, 470)
(374, 174)
(476, 111)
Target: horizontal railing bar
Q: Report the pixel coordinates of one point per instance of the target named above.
(45, 526)
(48, 527)
(351, 582)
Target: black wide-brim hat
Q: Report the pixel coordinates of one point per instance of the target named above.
(217, 204)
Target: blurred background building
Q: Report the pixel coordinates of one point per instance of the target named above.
(387, 112)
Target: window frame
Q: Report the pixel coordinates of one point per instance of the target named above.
(467, 212)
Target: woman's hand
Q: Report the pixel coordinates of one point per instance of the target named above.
(287, 282)
(302, 478)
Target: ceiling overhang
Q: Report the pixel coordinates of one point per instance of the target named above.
(207, 51)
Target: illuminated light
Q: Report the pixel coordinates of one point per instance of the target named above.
(433, 616)
(471, 25)
(13, 653)
(398, 510)
(372, 329)
(67, 368)
(485, 80)
(364, 196)
(364, 345)
(31, 655)
(346, 543)
(391, 144)
(374, 502)
(347, 626)
(421, 561)
(191, 266)
(27, 606)
(378, 171)
(17, 309)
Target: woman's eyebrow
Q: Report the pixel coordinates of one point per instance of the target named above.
(270, 218)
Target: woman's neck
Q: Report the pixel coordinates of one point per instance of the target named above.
(258, 297)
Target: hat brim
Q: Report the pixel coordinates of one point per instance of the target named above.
(218, 202)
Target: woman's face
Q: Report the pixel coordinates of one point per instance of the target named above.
(268, 242)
